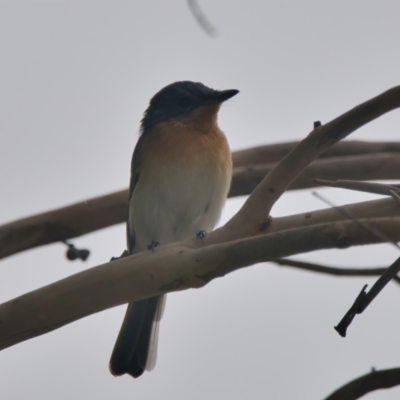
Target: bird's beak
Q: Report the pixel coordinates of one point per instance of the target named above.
(224, 95)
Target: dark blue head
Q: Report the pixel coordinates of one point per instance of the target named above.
(179, 99)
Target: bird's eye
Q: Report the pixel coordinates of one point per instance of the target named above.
(185, 104)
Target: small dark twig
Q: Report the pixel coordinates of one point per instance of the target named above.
(364, 299)
(342, 326)
(73, 253)
(374, 380)
(389, 274)
(201, 18)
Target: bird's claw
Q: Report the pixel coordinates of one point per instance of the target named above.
(153, 245)
(201, 234)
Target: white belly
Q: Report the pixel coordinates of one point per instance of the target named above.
(174, 203)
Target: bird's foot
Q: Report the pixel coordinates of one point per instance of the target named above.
(153, 245)
(201, 234)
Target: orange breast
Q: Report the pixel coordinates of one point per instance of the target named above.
(193, 140)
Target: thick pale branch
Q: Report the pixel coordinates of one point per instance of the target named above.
(170, 268)
(374, 380)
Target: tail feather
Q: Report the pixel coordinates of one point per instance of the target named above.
(136, 345)
(152, 353)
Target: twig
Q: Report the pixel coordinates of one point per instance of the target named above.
(324, 269)
(201, 18)
(376, 188)
(374, 380)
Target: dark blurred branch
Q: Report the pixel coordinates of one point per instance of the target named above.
(324, 269)
(201, 18)
(384, 379)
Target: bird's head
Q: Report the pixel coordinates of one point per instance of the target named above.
(184, 102)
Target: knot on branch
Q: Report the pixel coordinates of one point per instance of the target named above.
(73, 253)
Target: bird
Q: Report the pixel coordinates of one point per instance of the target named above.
(181, 172)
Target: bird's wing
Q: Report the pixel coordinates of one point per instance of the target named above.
(136, 164)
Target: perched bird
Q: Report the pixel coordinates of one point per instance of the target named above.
(180, 176)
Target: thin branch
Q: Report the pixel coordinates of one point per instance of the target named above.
(336, 271)
(360, 167)
(273, 153)
(369, 187)
(170, 268)
(374, 380)
(201, 18)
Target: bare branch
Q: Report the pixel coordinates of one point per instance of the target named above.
(361, 167)
(377, 188)
(374, 380)
(63, 223)
(364, 299)
(336, 271)
(170, 268)
(364, 225)
(273, 153)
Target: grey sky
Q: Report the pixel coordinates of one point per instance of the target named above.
(75, 80)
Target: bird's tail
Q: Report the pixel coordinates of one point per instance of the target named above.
(136, 347)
